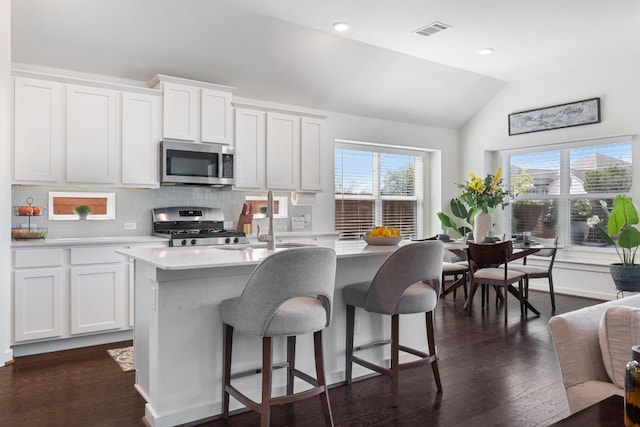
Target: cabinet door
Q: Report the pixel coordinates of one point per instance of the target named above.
(140, 139)
(250, 136)
(311, 133)
(97, 298)
(37, 304)
(216, 116)
(180, 108)
(39, 135)
(92, 142)
(283, 152)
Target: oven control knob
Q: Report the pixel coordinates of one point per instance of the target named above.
(236, 240)
(184, 242)
(193, 241)
(227, 240)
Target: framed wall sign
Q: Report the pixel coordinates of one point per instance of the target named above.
(559, 116)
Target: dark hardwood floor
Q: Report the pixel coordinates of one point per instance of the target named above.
(492, 375)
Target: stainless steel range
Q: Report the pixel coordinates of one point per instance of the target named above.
(194, 226)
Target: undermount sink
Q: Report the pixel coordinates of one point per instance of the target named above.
(263, 245)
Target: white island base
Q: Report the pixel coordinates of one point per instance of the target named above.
(178, 332)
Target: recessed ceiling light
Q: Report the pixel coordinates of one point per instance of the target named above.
(341, 26)
(486, 51)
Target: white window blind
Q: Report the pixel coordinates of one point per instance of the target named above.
(375, 185)
(565, 192)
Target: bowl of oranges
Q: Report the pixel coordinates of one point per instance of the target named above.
(382, 236)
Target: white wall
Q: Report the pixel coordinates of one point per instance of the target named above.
(5, 181)
(616, 83)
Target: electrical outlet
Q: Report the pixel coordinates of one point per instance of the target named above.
(130, 225)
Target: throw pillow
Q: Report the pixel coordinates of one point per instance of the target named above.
(619, 330)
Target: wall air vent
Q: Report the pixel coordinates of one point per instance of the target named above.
(431, 29)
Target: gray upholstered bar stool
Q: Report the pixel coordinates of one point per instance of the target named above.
(407, 282)
(289, 293)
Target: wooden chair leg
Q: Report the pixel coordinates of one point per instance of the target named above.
(265, 404)
(472, 291)
(553, 297)
(395, 357)
(432, 350)
(466, 284)
(506, 303)
(291, 362)
(320, 376)
(523, 296)
(291, 365)
(351, 316)
(227, 345)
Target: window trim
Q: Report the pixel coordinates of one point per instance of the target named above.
(374, 147)
(564, 169)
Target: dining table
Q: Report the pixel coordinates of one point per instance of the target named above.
(521, 250)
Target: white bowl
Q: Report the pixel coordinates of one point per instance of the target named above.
(382, 240)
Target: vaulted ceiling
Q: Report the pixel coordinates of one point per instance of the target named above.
(286, 51)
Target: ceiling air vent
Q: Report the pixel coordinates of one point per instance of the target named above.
(431, 29)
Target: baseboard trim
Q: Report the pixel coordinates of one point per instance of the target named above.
(29, 349)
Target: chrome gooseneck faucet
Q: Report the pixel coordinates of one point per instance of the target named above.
(270, 237)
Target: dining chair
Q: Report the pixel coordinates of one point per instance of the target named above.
(407, 282)
(456, 270)
(540, 272)
(289, 293)
(489, 266)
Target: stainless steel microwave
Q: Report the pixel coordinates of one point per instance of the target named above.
(196, 163)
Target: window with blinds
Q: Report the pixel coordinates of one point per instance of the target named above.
(376, 185)
(566, 192)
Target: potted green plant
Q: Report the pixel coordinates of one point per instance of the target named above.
(460, 211)
(82, 211)
(625, 237)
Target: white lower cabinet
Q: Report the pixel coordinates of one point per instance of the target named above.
(69, 291)
(97, 298)
(37, 302)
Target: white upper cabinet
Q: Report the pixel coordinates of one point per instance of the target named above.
(195, 111)
(278, 149)
(250, 133)
(92, 143)
(180, 112)
(39, 131)
(140, 139)
(283, 152)
(311, 141)
(216, 116)
(106, 134)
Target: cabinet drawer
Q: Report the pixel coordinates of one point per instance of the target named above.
(98, 255)
(38, 258)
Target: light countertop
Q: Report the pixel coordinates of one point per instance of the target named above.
(72, 241)
(185, 258)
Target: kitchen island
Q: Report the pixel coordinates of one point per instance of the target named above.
(178, 332)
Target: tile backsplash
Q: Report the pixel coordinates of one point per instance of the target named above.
(134, 206)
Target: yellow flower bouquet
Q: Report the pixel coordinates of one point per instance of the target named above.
(484, 194)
